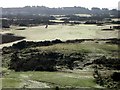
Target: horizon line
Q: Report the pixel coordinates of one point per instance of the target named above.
(109, 8)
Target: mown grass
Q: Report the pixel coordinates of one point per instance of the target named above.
(62, 79)
(11, 83)
(65, 32)
(65, 79)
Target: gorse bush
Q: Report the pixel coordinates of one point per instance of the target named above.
(33, 59)
(110, 63)
(109, 75)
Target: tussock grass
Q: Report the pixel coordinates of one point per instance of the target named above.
(80, 47)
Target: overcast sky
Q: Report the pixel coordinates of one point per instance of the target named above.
(61, 3)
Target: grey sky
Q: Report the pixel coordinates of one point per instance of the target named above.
(61, 3)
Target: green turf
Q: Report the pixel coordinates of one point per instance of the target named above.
(11, 83)
(65, 32)
(14, 79)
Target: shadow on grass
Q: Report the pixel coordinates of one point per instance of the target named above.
(8, 37)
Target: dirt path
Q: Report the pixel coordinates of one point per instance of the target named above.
(27, 83)
(34, 84)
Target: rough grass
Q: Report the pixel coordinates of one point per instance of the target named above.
(63, 32)
(89, 47)
(62, 79)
